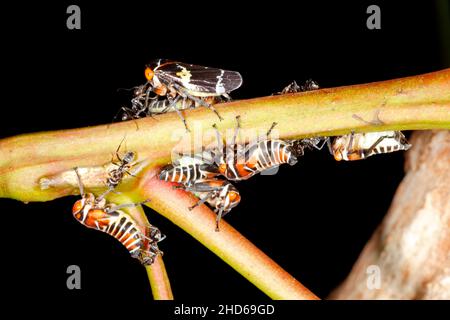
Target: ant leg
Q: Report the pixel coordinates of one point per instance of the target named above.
(219, 138)
(226, 96)
(114, 163)
(129, 173)
(374, 145)
(156, 234)
(117, 152)
(130, 115)
(202, 200)
(156, 239)
(183, 106)
(120, 144)
(104, 194)
(315, 145)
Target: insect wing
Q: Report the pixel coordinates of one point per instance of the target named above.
(198, 78)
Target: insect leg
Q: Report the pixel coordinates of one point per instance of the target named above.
(129, 173)
(103, 195)
(400, 137)
(271, 128)
(219, 138)
(374, 145)
(148, 91)
(350, 142)
(314, 143)
(173, 105)
(156, 234)
(117, 151)
(220, 215)
(197, 100)
(232, 149)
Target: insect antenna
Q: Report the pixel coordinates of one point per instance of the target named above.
(118, 148)
(80, 184)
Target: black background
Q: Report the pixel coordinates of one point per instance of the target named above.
(313, 219)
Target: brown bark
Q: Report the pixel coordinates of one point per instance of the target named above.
(411, 248)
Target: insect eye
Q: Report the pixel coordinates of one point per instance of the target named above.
(149, 74)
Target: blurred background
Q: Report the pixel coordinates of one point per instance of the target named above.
(313, 219)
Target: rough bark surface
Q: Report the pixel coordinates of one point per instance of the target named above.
(410, 250)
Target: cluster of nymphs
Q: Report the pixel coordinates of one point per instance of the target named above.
(208, 174)
(199, 173)
(96, 213)
(175, 86)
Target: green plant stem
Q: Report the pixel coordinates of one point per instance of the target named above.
(419, 102)
(228, 244)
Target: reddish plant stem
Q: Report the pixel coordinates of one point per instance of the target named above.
(228, 244)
